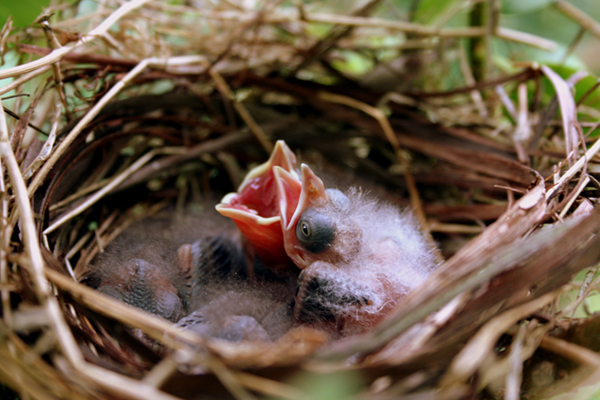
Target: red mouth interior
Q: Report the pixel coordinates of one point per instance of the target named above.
(259, 207)
(258, 197)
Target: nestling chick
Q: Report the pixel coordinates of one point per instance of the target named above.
(203, 285)
(140, 268)
(246, 311)
(138, 283)
(229, 303)
(358, 256)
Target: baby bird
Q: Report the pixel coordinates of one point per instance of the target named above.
(230, 303)
(358, 256)
(146, 286)
(204, 285)
(141, 269)
(249, 311)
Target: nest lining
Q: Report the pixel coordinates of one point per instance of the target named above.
(178, 147)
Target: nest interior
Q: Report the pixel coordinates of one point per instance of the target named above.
(144, 106)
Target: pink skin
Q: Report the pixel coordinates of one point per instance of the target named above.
(291, 205)
(255, 208)
(356, 301)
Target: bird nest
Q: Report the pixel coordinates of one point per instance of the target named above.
(143, 106)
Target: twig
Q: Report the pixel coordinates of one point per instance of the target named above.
(41, 175)
(229, 380)
(56, 71)
(335, 34)
(122, 385)
(46, 148)
(32, 248)
(243, 113)
(94, 111)
(573, 196)
(380, 117)
(515, 375)
(578, 16)
(57, 54)
(29, 124)
(348, 20)
(526, 38)
(586, 287)
(207, 146)
(522, 132)
(423, 30)
(470, 81)
(571, 351)
(453, 228)
(24, 79)
(553, 191)
(116, 181)
(161, 372)
(270, 387)
(473, 354)
(5, 235)
(567, 110)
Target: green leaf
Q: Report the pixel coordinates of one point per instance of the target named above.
(353, 63)
(429, 11)
(583, 86)
(336, 385)
(23, 12)
(521, 7)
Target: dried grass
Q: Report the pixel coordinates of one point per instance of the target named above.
(483, 325)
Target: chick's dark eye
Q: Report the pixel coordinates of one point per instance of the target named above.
(315, 231)
(305, 229)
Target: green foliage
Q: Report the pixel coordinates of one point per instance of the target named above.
(430, 11)
(23, 12)
(520, 6)
(353, 63)
(582, 87)
(329, 386)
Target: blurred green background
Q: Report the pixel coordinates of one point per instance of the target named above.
(23, 12)
(538, 17)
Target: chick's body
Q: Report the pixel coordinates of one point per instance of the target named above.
(195, 271)
(140, 268)
(376, 256)
(358, 256)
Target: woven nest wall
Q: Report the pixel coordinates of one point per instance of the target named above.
(143, 106)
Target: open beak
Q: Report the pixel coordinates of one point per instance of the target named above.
(255, 207)
(294, 198)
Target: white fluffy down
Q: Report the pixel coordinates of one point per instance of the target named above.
(378, 253)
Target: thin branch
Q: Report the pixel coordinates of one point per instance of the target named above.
(380, 117)
(72, 135)
(223, 87)
(578, 16)
(116, 181)
(32, 248)
(58, 54)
